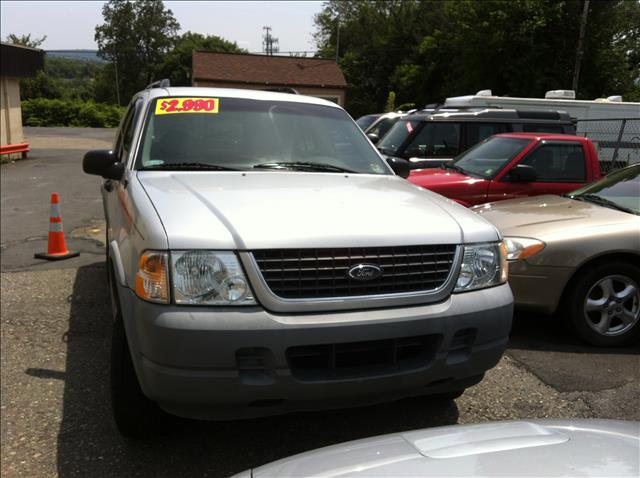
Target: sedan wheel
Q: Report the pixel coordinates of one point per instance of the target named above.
(604, 304)
(612, 306)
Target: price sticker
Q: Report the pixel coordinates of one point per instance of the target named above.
(187, 105)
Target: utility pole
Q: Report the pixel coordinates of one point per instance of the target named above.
(115, 64)
(580, 49)
(269, 44)
(338, 39)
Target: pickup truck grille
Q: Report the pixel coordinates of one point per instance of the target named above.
(324, 273)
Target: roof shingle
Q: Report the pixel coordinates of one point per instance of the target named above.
(268, 70)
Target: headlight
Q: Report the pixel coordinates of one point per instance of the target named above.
(209, 278)
(151, 279)
(522, 247)
(483, 265)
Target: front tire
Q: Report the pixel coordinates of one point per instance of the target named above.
(134, 414)
(603, 305)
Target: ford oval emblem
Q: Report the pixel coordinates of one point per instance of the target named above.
(365, 272)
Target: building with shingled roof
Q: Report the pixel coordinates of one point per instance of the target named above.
(317, 77)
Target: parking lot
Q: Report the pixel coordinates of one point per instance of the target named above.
(55, 347)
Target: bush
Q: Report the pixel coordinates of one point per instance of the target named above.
(57, 112)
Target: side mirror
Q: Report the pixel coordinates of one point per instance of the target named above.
(523, 173)
(400, 166)
(373, 137)
(102, 162)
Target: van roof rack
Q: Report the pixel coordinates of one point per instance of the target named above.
(164, 83)
(283, 89)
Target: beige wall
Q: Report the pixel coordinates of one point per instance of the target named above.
(326, 93)
(10, 115)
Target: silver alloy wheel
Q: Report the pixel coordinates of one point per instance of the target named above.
(612, 305)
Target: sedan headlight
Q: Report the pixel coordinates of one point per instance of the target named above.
(522, 247)
(209, 278)
(483, 265)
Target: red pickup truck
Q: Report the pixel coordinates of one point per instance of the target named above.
(513, 165)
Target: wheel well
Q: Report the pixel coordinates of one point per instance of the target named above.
(629, 257)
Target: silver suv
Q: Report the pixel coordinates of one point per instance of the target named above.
(263, 258)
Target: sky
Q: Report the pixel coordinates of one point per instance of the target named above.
(70, 25)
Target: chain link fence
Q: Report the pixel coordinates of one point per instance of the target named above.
(616, 140)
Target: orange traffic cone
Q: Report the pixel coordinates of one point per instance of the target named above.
(57, 247)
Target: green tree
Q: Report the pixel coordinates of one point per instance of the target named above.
(134, 38)
(426, 51)
(177, 63)
(62, 78)
(41, 86)
(391, 102)
(26, 40)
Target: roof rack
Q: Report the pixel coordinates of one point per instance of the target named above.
(283, 89)
(164, 83)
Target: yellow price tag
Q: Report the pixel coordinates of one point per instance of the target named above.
(187, 105)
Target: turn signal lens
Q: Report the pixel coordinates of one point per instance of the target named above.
(504, 264)
(522, 247)
(151, 279)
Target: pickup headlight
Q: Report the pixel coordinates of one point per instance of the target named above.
(483, 265)
(209, 278)
(522, 247)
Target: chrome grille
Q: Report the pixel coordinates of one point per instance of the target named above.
(323, 273)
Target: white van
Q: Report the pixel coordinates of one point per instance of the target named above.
(561, 100)
(612, 124)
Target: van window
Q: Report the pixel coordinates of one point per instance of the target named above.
(435, 139)
(477, 132)
(542, 128)
(558, 162)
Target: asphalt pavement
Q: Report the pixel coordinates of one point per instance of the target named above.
(55, 343)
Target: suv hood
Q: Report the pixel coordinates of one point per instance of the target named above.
(262, 210)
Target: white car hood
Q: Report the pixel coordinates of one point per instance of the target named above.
(262, 210)
(549, 448)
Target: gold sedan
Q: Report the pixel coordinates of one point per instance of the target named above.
(578, 254)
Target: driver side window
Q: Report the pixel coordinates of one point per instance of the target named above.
(435, 139)
(125, 135)
(558, 162)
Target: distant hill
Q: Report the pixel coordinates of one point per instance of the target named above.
(85, 55)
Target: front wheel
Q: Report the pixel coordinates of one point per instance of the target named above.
(603, 306)
(134, 414)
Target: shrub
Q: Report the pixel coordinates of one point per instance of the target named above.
(57, 112)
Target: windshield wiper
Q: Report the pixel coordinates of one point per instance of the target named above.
(309, 166)
(594, 198)
(453, 167)
(187, 167)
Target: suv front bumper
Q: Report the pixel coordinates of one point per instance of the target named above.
(242, 362)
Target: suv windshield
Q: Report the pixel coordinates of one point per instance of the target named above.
(242, 134)
(397, 135)
(619, 190)
(489, 157)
